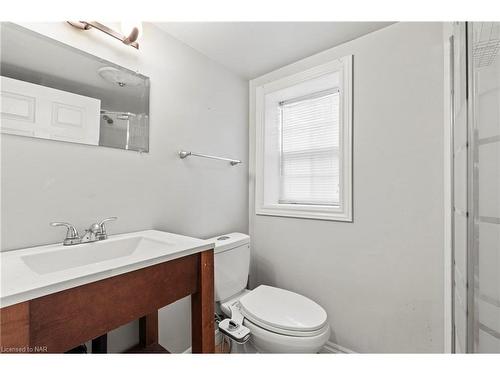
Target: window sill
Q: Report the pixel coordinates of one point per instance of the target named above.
(305, 212)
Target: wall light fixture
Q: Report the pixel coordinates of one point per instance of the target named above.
(130, 39)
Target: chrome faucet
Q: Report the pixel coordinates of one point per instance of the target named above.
(96, 232)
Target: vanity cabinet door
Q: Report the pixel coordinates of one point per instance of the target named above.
(33, 110)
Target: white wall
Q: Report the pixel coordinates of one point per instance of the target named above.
(380, 278)
(196, 104)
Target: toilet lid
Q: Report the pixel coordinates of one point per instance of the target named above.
(282, 309)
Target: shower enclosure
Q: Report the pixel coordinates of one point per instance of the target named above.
(124, 130)
(475, 144)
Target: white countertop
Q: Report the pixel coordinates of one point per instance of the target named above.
(20, 282)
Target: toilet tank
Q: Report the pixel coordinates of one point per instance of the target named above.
(231, 264)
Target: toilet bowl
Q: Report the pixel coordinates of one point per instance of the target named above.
(280, 321)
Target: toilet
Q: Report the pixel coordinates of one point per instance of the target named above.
(279, 321)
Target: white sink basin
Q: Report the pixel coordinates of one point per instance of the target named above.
(89, 253)
(37, 271)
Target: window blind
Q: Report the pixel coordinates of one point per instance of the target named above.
(309, 157)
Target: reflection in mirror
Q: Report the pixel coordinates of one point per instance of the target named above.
(53, 91)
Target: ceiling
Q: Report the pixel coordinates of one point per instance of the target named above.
(251, 49)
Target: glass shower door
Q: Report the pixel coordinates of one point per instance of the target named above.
(475, 89)
(484, 133)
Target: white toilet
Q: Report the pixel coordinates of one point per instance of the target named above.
(279, 321)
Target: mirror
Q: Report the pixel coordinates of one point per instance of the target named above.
(53, 91)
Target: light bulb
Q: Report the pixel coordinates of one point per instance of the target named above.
(128, 31)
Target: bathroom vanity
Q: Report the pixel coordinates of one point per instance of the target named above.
(54, 298)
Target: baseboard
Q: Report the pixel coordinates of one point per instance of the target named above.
(331, 347)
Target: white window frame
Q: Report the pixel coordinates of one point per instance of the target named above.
(343, 212)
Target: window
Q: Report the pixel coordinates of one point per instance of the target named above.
(303, 143)
(310, 149)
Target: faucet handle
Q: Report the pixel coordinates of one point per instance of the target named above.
(71, 235)
(103, 228)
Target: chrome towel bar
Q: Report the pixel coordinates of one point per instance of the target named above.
(185, 154)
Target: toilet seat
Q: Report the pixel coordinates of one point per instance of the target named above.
(283, 312)
(265, 341)
(284, 332)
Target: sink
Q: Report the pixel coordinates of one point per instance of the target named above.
(68, 257)
(37, 271)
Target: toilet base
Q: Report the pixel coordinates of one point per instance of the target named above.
(246, 348)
